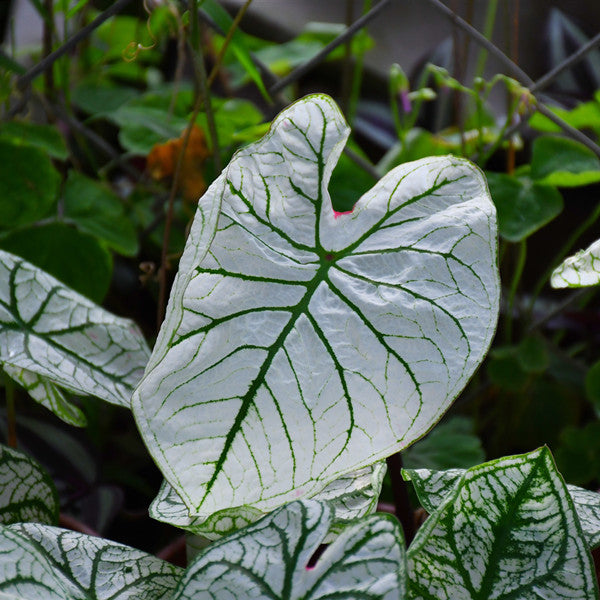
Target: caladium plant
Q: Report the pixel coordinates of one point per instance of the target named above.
(301, 346)
(51, 337)
(580, 270)
(300, 343)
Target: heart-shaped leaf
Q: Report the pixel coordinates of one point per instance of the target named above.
(39, 561)
(350, 497)
(270, 560)
(433, 487)
(302, 344)
(51, 335)
(26, 491)
(508, 529)
(579, 270)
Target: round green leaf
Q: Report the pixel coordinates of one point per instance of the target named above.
(301, 344)
(533, 354)
(96, 210)
(28, 184)
(46, 138)
(75, 258)
(563, 162)
(523, 205)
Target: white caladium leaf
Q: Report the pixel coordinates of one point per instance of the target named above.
(42, 390)
(39, 561)
(353, 496)
(27, 493)
(52, 336)
(432, 488)
(579, 270)
(508, 529)
(270, 560)
(301, 344)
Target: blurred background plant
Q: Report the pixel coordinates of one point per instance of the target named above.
(116, 117)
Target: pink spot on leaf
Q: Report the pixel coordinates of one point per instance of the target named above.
(337, 214)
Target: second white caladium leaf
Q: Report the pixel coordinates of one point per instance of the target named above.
(51, 337)
(301, 344)
(270, 560)
(580, 270)
(350, 497)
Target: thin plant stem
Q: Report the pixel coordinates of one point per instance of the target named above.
(404, 511)
(47, 47)
(202, 98)
(49, 60)
(347, 65)
(514, 286)
(236, 22)
(562, 253)
(357, 74)
(488, 30)
(11, 412)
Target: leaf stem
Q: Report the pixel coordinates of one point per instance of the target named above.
(514, 284)
(404, 511)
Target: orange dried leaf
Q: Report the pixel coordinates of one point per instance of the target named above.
(162, 162)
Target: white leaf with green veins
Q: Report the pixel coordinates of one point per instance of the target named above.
(42, 390)
(432, 488)
(353, 496)
(52, 336)
(302, 344)
(269, 560)
(580, 270)
(39, 561)
(508, 529)
(27, 493)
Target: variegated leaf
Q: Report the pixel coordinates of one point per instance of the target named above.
(270, 560)
(301, 344)
(579, 270)
(45, 392)
(353, 496)
(432, 488)
(39, 561)
(52, 336)
(508, 529)
(26, 491)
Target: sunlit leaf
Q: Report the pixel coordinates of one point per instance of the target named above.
(39, 561)
(563, 162)
(270, 560)
(55, 333)
(579, 270)
(302, 344)
(26, 491)
(508, 529)
(350, 497)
